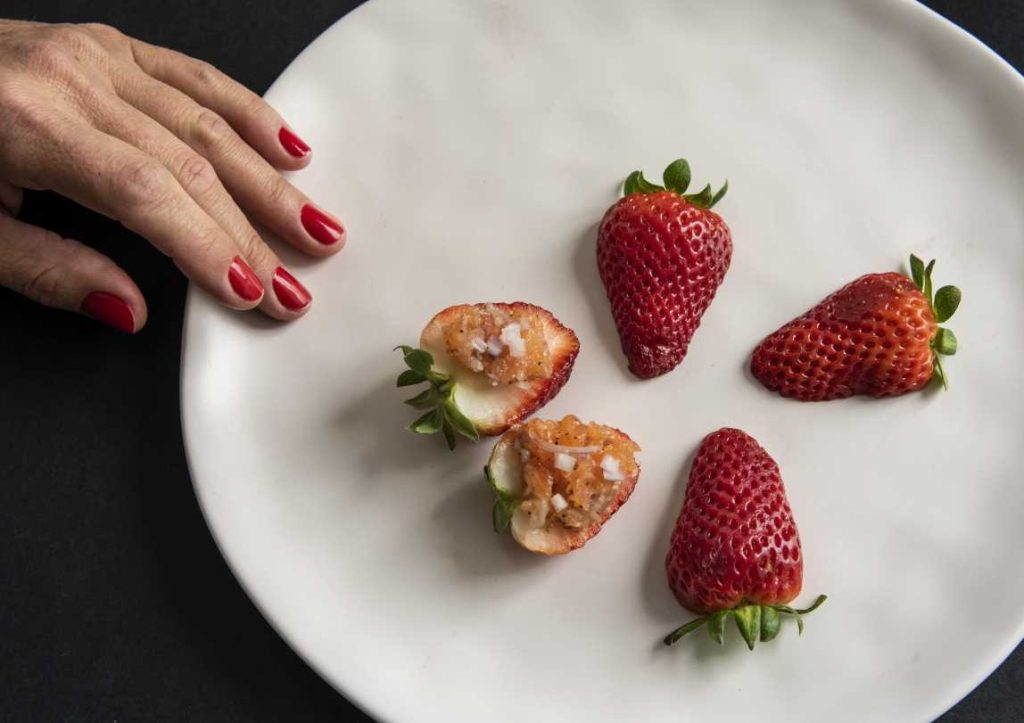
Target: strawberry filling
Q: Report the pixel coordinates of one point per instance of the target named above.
(505, 346)
(572, 471)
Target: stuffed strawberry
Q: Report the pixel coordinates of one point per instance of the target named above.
(557, 482)
(879, 335)
(735, 550)
(662, 253)
(489, 366)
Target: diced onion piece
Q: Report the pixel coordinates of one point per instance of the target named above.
(612, 470)
(512, 337)
(565, 462)
(478, 344)
(556, 448)
(494, 347)
(558, 502)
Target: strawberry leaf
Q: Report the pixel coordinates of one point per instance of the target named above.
(748, 620)
(944, 341)
(716, 626)
(632, 184)
(449, 435)
(419, 361)
(460, 421)
(427, 399)
(771, 621)
(645, 186)
(504, 503)
(719, 195)
(947, 300)
(410, 377)
(501, 514)
(429, 423)
(677, 176)
(917, 271)
(939, 373)
(927, 290)
(701, 199)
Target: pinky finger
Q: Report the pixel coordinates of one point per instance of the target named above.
(67, 275)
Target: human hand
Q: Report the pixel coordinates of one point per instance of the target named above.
(169, 146)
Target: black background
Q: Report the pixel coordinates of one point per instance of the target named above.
(116, 605)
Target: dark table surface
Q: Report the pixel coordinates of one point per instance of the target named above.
(116, 604)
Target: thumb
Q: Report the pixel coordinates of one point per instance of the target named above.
(65, 274)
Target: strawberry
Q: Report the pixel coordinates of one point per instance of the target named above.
(735, 550)
(489, 366)
(662, 254)
(557, 483)
(878, 335)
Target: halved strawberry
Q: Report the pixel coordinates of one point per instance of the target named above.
(557, 483)
(489, 367)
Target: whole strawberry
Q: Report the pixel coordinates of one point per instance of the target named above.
(662, 254)
(735, 550)
(878, 335)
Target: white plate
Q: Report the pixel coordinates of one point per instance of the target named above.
(472, 146)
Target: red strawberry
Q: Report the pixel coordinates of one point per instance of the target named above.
(489, 366)
(878, 335)
(735, 551)
(662, 254)
(557, 483)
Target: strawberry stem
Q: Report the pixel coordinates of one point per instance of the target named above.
(441, 413)
(755, 622)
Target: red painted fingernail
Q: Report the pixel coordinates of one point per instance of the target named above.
(292, 295)
(244, 281)
(292, 143)
(110, 310)
(321, 226)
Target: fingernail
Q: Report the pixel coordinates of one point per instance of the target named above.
(292, 143)
(110, 310)
(244, 281)
(321, 226)
(292, 295)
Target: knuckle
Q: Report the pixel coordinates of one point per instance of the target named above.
(104, 31)
(256, 107)
(197, 175)
(278, 189)
(68, 35)
(142, 183)
(45, 286)
(207, 240)
(205, 73)
(209, 129)
(258, 255)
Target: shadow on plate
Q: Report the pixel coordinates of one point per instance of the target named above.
(463, 518)
(589, 281)
(376, 422)
(661, 603)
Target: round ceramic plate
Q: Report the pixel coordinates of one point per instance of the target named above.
(472, 147)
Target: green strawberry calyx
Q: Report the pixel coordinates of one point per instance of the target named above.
(754, 621)
(677, 179)
(944, 303)
(441, 413)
